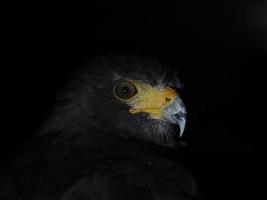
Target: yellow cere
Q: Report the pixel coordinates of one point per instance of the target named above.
(151, 100)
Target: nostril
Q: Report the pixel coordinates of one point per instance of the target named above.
(167, 99)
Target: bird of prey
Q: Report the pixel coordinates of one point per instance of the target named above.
(113, 134)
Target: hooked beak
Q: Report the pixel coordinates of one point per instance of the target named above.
(175, 113)
(161, 104)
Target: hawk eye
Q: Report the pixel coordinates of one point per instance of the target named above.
(125, 90)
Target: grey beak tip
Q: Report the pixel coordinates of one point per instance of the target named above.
(181, 122)
(176, 114)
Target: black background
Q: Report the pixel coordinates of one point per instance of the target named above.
(212, 44)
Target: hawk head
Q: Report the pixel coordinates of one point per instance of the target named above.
(130, 96)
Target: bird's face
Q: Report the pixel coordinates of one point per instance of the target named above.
(161, 104)
(139, 98)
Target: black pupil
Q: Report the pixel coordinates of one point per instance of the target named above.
(125, 90)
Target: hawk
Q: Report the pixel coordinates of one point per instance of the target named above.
(114, 133)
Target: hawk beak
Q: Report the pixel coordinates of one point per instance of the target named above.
(175, 113)
(161, 104)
